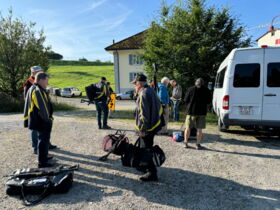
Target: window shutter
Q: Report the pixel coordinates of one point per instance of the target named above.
(130, 59)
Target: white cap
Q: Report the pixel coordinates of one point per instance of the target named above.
(36, 69)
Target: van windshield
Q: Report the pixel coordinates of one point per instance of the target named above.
(247, 75)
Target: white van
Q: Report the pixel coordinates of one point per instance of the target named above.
(247, 89)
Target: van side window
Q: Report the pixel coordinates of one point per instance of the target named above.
(273, 75)
(247, 75)
(220, 78)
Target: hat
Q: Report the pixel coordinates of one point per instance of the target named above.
(103, 78)
(36, 69)
(139, 78)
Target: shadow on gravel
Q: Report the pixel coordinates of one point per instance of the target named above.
(176, 188)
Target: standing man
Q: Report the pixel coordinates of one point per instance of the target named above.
(197, 98)
(164, 99)
(38, 112)
(101, 104)
(148, 122)
(176, 98)
(29, 82)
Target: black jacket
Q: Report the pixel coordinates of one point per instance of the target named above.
(103, 94)
(197, 100)
(29, 82)
(38, 109)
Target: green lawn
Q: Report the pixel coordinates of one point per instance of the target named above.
(79, 76)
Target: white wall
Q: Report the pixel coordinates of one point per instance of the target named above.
(125, 68)
(270, 39)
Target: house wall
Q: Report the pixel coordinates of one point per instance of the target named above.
(125, 69)
(270, 39)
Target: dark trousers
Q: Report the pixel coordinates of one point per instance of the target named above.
(176, 110)
(147, 143)
(101, 106)
(43, 145)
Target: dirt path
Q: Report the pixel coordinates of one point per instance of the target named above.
(237, 171)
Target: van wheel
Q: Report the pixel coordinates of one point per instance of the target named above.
(222, 127)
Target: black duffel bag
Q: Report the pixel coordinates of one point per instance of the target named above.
(137, 157)
(41, 182)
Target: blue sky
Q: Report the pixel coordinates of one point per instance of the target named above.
(83, 28)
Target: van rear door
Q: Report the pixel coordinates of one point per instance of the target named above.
(246, 89)
(271, 99)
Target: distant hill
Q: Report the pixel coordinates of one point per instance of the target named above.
(79, 63)
(79, 76)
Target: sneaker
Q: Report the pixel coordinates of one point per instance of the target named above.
(106, 127)
(52, 146)
(46, 165)
(186, 146)
(199, 147)
(149, 177)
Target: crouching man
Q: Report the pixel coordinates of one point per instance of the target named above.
(148, 121)
(38, 112)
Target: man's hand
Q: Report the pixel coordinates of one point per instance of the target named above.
(142, 134)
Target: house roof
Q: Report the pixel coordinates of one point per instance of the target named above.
(266, 34)
(131, 43)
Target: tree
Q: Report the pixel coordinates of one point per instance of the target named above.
(83, 59)
(20, 48)
(54, 56)
(189, 40)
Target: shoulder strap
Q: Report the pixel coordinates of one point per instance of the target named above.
(28, 202)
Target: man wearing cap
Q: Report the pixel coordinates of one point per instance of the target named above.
(101, 104)
(197, 98)
(148, 121)
(28, 83)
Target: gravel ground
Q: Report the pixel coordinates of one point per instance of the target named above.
(239, 170)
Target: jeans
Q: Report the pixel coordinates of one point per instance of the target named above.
(147, 143)
(176, 110)
(43, 146)
(101, 106)
(34, 138)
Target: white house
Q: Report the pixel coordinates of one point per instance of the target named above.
(271, 38)
(127, 62)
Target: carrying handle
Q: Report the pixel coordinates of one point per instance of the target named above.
(28, 202)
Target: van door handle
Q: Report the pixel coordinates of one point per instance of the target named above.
(270, 94)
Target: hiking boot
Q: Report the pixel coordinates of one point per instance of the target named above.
(49, 157)
(52, 146)
(106, 127)
(99, 127)
(149, 177)
(199, 147)
(45, 165)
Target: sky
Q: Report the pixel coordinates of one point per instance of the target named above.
(83, 28)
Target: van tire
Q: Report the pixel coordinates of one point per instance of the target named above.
(222, 127)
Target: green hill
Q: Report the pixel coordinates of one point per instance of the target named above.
(79, 76)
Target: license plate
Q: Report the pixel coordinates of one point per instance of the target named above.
(246, 110)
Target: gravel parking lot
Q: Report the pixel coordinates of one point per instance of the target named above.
(239, 170)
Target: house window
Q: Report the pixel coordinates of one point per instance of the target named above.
(132, 75)
(135, 60)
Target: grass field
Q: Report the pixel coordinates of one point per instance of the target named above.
(79, 76)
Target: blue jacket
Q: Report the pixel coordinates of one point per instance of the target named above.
(163, 94)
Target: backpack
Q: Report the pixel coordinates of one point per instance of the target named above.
(91, 92)
(40, 181)
(114, 143)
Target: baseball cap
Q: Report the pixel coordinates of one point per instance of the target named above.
(36, 69)
(139, 78)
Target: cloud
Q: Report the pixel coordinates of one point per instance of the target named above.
(96, 4)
